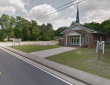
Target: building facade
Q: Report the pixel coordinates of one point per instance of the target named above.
(77, 35)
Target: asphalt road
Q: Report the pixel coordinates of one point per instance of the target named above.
(14, 71)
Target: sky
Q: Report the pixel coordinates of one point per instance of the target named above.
(89, 11)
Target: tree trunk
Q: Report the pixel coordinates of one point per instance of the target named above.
(8, 34)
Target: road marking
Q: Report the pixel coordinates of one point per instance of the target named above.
(20, 57)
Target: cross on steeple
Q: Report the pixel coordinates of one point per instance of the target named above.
(77, 16)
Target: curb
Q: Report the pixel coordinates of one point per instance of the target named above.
(81, 76)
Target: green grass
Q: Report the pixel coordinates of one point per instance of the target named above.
(33, 48)
(86, 59)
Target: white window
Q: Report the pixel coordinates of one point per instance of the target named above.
(87, 38)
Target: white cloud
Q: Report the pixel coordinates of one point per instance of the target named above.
(93, 10)
(45, 9)
(28, 19)
(7, 10)
(97, 15)
(10, 6)
(89, 5)
(62, 22)
(38, 22)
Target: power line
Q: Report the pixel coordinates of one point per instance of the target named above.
(51, 1)
(22, 8)
(43, 0)
(60, 9)
(39, 2)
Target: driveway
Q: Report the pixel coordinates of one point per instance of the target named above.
(50, 52)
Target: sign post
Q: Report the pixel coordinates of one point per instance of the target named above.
(100, 46)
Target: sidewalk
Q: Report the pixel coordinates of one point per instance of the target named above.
(81, 76)
(50, 52)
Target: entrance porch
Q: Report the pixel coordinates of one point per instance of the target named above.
(75, 39)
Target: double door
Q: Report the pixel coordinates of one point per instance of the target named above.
(75, 40)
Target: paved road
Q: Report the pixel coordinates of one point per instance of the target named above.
(17, 72)
(50, 52)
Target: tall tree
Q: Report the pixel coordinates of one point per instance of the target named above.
(105, 27)
(7, 23)
(50, 31)
(18, 32)
(35, 31)
(49, 26)
(25, 27)
(2, 34)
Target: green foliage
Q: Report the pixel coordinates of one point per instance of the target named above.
(72, 23)
(59, 44)
(34, 48)
(59, 30)
(103, 27)
(7, 23)
(92, 25)
(86, 59)
(30, 30)
(47, 32)
(2, 34)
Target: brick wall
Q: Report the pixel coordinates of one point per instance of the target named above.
(92, 37)
(90, 44)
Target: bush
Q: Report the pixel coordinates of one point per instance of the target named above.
(59, 44)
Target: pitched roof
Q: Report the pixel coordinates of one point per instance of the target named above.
(82, 28)
(74, 33)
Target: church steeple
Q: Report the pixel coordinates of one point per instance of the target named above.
(77, 16)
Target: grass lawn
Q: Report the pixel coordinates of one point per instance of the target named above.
(86, 59)
(33, 48)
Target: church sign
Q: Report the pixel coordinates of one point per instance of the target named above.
(16, 40)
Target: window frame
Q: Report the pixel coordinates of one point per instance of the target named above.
(86, 39)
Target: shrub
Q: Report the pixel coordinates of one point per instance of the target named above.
(59, 44)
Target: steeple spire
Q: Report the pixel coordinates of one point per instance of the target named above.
(77, 16)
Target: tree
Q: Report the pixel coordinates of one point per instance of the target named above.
(35, 31)
(92, 25)
(25, 27)
(33, 25)
(7, 23)
(50, 31)
(72, 23)
(18, 32)
(105, 27)
(2, 34)
(59, 30)
(49, 26)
